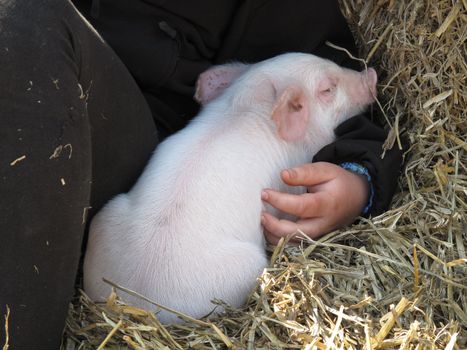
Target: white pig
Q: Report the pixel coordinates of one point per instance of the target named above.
(189, 231)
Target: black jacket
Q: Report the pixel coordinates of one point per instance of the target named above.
(166, 44)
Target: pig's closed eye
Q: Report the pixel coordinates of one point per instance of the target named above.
(327, 90)
(327, 86)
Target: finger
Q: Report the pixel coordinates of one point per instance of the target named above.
(276, 227)
(314, 228)
(272, 239)
(309, 174)
(307, 205)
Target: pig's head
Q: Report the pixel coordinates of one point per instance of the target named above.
(305, 96)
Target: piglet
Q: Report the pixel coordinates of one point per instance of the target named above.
(189, 230)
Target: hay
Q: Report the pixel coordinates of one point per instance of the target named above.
(397, 281)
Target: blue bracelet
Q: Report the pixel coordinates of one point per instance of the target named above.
(360, 169)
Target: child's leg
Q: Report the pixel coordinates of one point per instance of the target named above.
(74, 131)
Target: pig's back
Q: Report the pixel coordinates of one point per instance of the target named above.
(207, 182)
(188, 232)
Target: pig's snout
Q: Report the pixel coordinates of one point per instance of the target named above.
(370, 78)
(361, 87)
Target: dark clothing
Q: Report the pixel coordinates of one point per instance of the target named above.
(70, 107)
(167, 44)
(75, 129)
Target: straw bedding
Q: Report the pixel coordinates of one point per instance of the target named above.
(397, 281)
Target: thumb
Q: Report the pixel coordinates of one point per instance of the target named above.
(309, 174)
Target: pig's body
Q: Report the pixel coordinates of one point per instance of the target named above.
(189, 231)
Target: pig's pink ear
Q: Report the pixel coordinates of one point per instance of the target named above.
(290, 113)
(215, 80)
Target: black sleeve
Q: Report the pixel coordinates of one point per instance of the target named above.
(166, 45)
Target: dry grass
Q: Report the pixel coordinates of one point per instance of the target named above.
(397, 281)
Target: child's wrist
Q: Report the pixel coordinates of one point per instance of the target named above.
(361, 170)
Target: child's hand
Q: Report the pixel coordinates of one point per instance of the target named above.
(335, 198)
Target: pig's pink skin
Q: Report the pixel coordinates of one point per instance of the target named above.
(370, 79)
(189, 230)
(365, 92)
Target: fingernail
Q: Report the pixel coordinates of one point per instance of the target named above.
(264, 195)
(291, 172)
(263, 219)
